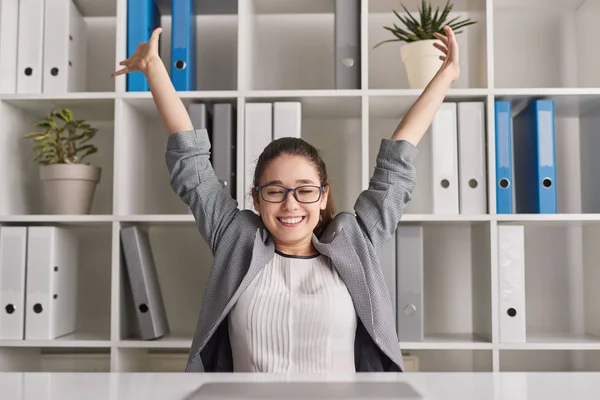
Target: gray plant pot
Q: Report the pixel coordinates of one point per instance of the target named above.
(68, 188)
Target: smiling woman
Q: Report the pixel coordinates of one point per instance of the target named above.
(294, 288)
(291, 165)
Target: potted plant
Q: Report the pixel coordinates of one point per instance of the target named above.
(420, 57)
(68, 183)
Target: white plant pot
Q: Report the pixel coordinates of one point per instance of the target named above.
(421, 61)
(68, 188)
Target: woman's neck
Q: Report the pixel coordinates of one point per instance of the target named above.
(304, 248)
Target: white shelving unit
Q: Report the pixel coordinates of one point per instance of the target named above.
(267, 50)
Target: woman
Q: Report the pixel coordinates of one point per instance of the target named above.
(294, 288)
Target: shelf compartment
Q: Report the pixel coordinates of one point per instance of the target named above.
(385, 113)
(216, 36)
(549, 361)
(386, 69)
(93, 288)
(561, 281)
(183, 262)
(288, 45)
(57, 359)
(544, 44)
(450, 360)
(576, 117)
(333, 125)
(20, 186)
(455, 254)
(167, 360)
(144, 182)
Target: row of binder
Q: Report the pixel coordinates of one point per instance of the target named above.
(143, 17)
(525, 158)
(263, 123)
(219, 119)
(38, 282)
(458, 159)
(39, 268)
(42, 47)
(402, 261)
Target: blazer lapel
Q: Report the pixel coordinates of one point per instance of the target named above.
(348, 266)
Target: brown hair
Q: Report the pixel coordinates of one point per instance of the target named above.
(297, 147)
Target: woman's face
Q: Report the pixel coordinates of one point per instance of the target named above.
(290, 221)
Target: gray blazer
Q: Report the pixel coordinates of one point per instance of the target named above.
(241, 246)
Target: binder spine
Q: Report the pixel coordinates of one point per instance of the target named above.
(347, 44)
(504, 158)
(143, 17)
(183, 53)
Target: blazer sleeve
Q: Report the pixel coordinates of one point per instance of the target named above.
(380, 207)
(193, 179)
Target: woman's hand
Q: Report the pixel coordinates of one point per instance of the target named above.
(450, 49)
(145, 53)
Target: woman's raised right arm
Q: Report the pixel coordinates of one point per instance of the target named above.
(187, 155)
(170, 107)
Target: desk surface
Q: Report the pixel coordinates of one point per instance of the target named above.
(149, 386)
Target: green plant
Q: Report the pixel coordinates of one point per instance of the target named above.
(429, 23)
(63, 140)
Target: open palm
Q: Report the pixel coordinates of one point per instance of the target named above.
(144, 53)
(450, 49)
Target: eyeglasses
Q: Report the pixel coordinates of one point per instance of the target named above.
(303, 194)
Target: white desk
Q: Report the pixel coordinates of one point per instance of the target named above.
(150, 386)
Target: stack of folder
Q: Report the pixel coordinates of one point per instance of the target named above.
(38, 282)
(458, 157)
(143, 17)
(39, 56)
(265, 122)
(219, 120)
(525, 158)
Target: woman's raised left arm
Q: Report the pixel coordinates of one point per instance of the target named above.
(418, 119)
(380, 207)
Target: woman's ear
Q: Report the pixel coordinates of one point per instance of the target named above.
(256, 200)
(324, 197)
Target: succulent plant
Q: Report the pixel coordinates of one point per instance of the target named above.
(429, 23)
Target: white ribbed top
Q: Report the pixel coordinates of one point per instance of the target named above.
(295, 316)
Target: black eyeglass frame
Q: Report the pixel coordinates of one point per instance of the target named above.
(293, 190)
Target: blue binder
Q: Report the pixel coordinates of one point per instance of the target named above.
(183, 37)
(504, 164)
(143, 17)
(535, 160)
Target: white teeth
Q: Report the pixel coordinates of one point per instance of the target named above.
(290, 220)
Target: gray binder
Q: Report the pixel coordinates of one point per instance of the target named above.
(223, 145)
(145, 288)
(409, 253)
(347, 44)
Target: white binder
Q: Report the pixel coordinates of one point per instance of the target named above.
(258, 134)
(9, 29)
(444, 158)
(13, 261)
(511, 274)
(287, 119)
(51, 287)
(409, 275)
(471, 156)
(65, 45)
(30, 55)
